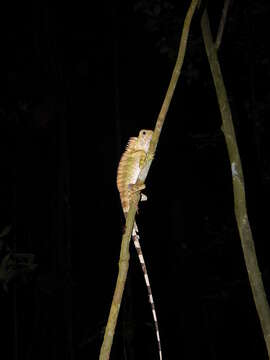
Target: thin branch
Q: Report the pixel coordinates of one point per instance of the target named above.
(222, 24)
(244, 229)
(174, 78)
(124, 254)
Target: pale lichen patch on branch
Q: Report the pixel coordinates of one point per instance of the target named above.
(234, 170)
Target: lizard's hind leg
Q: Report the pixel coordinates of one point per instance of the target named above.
(134, 188)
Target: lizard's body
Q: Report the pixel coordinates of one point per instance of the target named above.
(130, 165)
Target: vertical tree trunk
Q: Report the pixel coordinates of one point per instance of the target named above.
(245, 233)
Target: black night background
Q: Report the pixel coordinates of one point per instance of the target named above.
(82, 79)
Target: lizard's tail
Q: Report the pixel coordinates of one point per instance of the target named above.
(135, 238)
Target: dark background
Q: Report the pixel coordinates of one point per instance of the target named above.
(82, 79)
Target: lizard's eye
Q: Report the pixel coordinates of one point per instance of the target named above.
(144, 132)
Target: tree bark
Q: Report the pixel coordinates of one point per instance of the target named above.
(244, 229)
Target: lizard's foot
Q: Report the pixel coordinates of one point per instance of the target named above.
(134, 188)
(151, 156)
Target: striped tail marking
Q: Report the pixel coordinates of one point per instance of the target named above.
(137, 245)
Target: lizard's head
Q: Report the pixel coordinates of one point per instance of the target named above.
(144, 139)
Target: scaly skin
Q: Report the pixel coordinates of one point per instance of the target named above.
(130, 165)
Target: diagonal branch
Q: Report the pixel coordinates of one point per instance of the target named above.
(222, 23)
(174, 78)
(124, 254)
(244, 229)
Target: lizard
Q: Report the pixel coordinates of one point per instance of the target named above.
(130, 165)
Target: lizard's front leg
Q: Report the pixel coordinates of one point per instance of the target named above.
(133, 187)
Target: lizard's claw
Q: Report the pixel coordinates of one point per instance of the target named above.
(151, 156)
